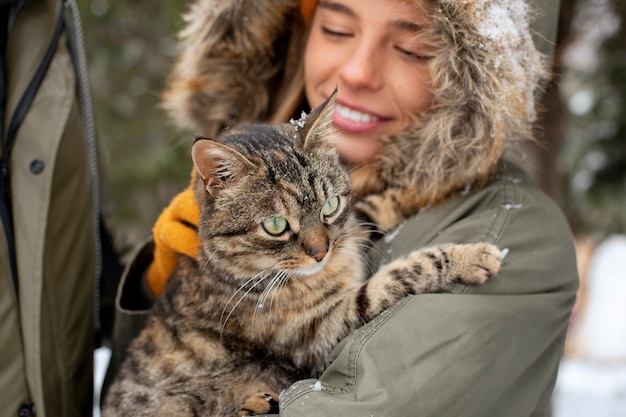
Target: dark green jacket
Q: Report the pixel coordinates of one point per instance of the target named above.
(480, 351)
(48, 326)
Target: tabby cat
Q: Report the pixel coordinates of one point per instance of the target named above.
(278, 281)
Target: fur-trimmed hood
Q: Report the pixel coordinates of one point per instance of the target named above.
(240, 62)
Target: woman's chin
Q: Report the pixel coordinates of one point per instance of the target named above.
(357, 151)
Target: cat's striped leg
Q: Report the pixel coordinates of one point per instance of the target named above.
(428, 270)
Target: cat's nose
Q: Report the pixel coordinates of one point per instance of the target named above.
(318, 253)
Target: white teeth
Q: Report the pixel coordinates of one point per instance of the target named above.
(354, 115)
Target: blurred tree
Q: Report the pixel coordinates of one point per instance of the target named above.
(540, 160)
(130, 47)
(594, 89)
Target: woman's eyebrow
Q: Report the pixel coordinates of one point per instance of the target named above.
(337, 7)
(406, 25)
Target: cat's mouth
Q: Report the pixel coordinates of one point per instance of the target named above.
(312, 269)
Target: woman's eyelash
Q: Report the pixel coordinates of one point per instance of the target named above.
(412, 55)
(409, 54)
(331, 32)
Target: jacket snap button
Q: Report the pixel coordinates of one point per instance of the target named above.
(36, 166)
(27, 411)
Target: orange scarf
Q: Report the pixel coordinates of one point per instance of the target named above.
(175, 232)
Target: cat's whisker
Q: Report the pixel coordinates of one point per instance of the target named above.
(353, 168)
(277, 282)
(383, 234)
(351, 245)
(364, 244)
(272, 287)
(366, 225)
(358, 231)
(235, 271)
(210, 257)
(262, 299)
(204, 267)
(224, 322)
(235, 293)
(360, 253)
(275, 278)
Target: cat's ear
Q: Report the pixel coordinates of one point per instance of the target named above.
(218, 164)
(318, 126)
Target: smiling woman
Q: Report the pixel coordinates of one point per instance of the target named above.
(431, 94)
(372, 52)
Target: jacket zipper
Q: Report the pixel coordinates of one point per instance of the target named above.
(77, 47)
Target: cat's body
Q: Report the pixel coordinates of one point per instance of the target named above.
(278, 281)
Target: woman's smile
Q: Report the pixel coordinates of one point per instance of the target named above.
(353, 120)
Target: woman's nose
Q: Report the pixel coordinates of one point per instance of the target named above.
(362, 70)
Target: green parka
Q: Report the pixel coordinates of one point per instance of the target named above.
(486, 351)
(480, 351)
(49, 317)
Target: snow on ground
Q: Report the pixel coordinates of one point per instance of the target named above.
(592, 381)
(101, 361)
(588, 389)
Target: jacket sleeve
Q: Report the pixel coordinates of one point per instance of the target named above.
(133, 302)
(475, 351)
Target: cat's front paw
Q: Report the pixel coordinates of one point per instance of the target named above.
(479, 262)
(259, 403)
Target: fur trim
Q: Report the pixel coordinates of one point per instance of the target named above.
(233, 60)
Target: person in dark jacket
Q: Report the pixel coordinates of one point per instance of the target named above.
(54, 248)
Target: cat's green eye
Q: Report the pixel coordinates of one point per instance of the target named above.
(330, 206)
(275, 225)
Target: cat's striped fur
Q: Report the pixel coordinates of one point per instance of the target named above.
(258, 311)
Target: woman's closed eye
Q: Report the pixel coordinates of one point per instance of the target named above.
(335, 33)
(413, 55)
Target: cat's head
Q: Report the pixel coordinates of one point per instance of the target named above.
(274, 198)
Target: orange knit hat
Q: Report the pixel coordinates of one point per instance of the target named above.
(307, 8)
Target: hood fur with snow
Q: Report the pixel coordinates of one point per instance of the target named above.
(240, 62)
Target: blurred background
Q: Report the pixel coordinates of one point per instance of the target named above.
(581, 163)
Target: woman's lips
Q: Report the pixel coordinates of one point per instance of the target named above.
(352, 120)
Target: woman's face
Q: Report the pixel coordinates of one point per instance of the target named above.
(370, 51)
